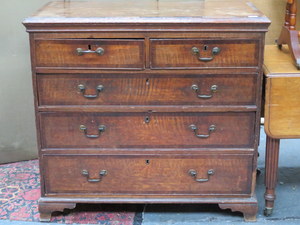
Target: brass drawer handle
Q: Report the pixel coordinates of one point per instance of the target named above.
(213, 89)
(82, 89)
(193, 173)
(211, 129)
(98, 51)
(101, 129)
(85, 173)
(214, 51)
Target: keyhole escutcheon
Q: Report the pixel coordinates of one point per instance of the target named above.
(147, 119)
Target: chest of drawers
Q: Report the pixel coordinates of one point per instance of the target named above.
(147, 102)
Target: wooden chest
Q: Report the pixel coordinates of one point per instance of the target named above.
(147, 102)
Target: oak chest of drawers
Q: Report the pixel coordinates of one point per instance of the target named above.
(147, 102)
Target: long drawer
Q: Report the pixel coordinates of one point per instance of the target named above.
(199, 53)
(90, 53)
(147, 174)
(151, 130)
(126, 89)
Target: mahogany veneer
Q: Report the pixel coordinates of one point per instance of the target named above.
(118, 54)
(179, 50)
(147, 89)
(147, 102)
(64, 174)
(163, 130)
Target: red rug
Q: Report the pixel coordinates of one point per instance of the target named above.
(20, 191)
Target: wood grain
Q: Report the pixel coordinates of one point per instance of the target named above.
(118, 54)
(272, 157)
(282, 106)
(164, 130)
(46, 209)
(133, 174)
(178, 53)
(249, 210)
(142, 89)
(150, 11)
(282, 111)
(278, 62)
(147, 71)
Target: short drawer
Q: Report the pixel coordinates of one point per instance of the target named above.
(122, 89)
(193, 54)
(147, 174)
(147, 130)
(91, 53)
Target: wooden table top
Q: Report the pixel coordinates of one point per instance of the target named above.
(149, 11)
(278, 62)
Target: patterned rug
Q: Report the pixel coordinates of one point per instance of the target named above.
(20, 191)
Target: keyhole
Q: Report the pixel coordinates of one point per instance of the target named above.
(147, 119)
(147, 161)
(89, 47)
(205, 47)
(147, 81)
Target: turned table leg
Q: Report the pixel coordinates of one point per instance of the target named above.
(272, 155)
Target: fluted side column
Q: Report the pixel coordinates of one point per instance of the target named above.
(272, 155)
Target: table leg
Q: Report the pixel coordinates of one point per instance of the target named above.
(272, 155)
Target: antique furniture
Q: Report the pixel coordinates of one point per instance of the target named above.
(289, 35)
(282, 111)
(147, 102)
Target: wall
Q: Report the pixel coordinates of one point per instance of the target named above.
(17, 132)
(274, 10)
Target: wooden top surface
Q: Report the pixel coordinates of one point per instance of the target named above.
(279, 62)
(148, 11)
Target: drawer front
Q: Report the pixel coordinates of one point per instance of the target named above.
(197, 174)
(147, 130)
(147, 90)
(94, 53)
(176, 54)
